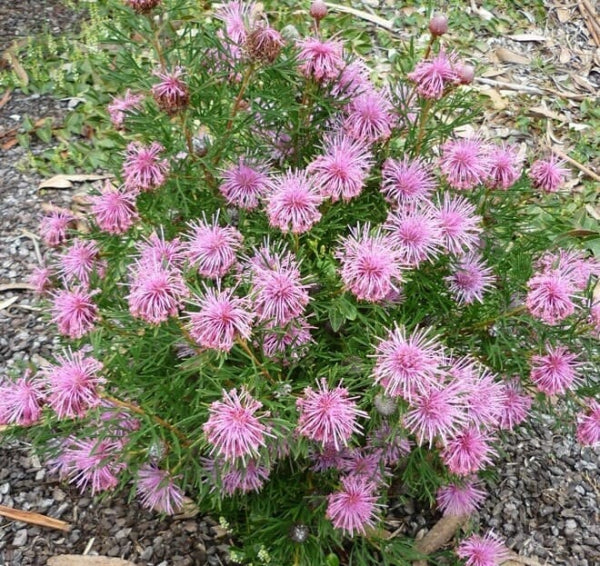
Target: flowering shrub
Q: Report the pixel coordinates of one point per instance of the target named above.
(303, 287)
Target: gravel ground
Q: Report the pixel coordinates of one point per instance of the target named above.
(545, 501)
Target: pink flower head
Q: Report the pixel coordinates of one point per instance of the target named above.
(556, 371)
(54, 226)
(279, 295)
(156, 291)
(438, 411)
(407, 363)
(370, 117)
(156, 249)
(353, 508)
(550, 297)
(594, 319)
(158, 491)
(389, 444)
(456, 499)
(244, 184)
(293, 203)
(504, 166)
(468, 452)
(365, 463)
(78, 262)
(212, 248)
(41, 280)
(21, 400)
(233, 429)
(572, 265)
(289, 343)
(74, 312)
(250, 478)
(118, 108)
(264, 43)
(370, 264)
(327, 457)
(320, 60)
(459, 225)
(91, 462)
(485, 398)
(483, 551)
(588, 424)
(73, 383)
(353, 80)
(515, 407)
(341, 172)
(465, 163)
(415, 232)
(238, 17)
(114, 209)
(143, 170)
(470, 280)
(222, 318)
(143, 6)
(548, 174)
(171, 94)
(328, 416)
(405, 181)
(432, 76)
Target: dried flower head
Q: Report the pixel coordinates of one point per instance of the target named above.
(171, 94)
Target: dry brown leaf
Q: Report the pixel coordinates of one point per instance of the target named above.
(563, 15)
(66, 181)
(8, 302)
(565, 55)
(583, 83)
(481, 12)
(10, 144)
(527, 37)
(5, 98)
(377, 20)
(189, 509)
(546, 113)
(10, 56)
(440, 534)
(81, 560)
(507, 56)
(498, 101)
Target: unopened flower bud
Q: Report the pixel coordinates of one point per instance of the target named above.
(299, 532)
(438, 25)
(318, 10)
(466, 73)
(385, 405)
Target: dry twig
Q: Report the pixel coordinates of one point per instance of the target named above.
(34, 518)
(576, 164)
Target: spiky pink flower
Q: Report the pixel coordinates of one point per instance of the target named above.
(515, 407)
(238, 17)
(405, 181)
(288, 343)
(250, 478)
(156, 291)
(470, 280)
(459, 225)
(53, 227)
(222, 318)
(171, 94)
(211, 248)
(415, 232)
(353, 80)
(293, 203)
(244, 184)
(279, 294)
(78, 262)
(389, 444)
(504, 166)
(340, 173)
(588, 424)
(370, 117)
(21, 401)
(143, 170)
(468, 452)
(114, 209)
(118, 108)
(550, 297)
(320, 60)
(232, 427)
(572, 265)
(74, 311)
(433, 76)
(456, 499)
(157, 249)
(365, 463)
(438, 411)
(41, 279)
(328, 416)
(158, 491)
(327, 457)
(548, 174)
(73, 383)
(483, 551)
(485, 398)
(91, 462)
(353, 508)
(370, 264)
(407, 363)
(555, 372)
(464, 163)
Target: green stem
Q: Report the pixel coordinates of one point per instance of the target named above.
(250, 353)
(422, 123)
